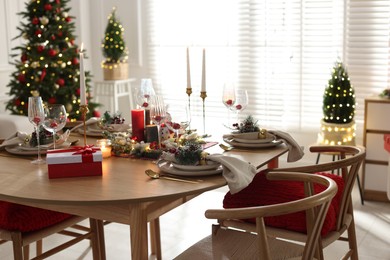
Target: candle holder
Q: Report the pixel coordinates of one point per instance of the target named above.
(203, 95)
(189, 92)
(84, 110)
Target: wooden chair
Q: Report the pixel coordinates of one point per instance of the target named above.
(24, 225)
(351, 158)
(228, 243)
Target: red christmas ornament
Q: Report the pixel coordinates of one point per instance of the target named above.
(59, 34)
(75, 61)
(96, 113)
(53, 37)
(58, 2)
(58, 10)
(22, 78)
(35, 21)
(52, 100)
(78, 92)
(40, 48)
(68, 19)
(71, 41)
(51, 52)
(17, 102)
(38, 32)
(43, 74)
(23, 58)
(60, 82)
(48, 7)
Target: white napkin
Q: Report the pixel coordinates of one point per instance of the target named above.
(238, 173)
(295, 151)
(14, 140)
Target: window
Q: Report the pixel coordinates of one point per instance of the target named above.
(282, 52)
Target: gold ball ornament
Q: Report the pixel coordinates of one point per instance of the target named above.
(69, 107)
(44, 20)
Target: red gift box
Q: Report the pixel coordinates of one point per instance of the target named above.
(74, 162)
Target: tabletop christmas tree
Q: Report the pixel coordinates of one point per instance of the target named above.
(49, 60)
(114, 50)
(338, 126)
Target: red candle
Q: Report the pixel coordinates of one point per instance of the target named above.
(138, 124)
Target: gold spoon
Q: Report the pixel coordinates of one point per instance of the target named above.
(225, 147)
(155, 175)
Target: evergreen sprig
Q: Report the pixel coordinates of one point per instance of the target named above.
(248, 125)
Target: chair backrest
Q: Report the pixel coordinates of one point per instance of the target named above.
(350, 160)
(316, 206)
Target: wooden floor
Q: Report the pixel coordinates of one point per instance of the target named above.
(186, 224)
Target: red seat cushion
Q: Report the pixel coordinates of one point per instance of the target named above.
(264, 192)
(15, 217)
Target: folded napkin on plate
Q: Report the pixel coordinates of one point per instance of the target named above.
(14, 140)
(237, 172)
(20, 138)
(295, 151)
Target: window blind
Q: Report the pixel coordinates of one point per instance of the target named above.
(281, 52)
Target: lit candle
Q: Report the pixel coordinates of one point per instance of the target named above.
(138, 124)
(188, 69)
(204, 72)
(105, 147)
(83, 100)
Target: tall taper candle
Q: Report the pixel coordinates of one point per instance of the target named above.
(83, 100)
(188, 69)
(204, 72)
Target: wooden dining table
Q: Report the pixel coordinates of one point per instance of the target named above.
(123, 194)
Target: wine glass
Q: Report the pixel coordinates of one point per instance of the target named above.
(158, 113)
(145, 93)
(241, 102)
(179, 118)
(55, 120)
(229, 97)
(36, 116)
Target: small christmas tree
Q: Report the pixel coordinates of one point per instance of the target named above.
(49, 60)
(339, 97)
(113, 46)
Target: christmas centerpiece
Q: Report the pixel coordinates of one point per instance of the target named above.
(249, 129)
(115, 66)
(113, 122)
(338, 125)
(48, 63)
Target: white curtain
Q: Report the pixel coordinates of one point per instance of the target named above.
(282, 52)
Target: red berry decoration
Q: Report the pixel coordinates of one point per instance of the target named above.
(52, 100)
(238, 107)
(145, 104)
(35, 21)
(96, 113)
(40, 48)
(36, 120)
(48, 7)
(53, 124)
(229, 102)
(51, 53)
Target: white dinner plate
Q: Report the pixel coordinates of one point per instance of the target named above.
(168, 168)
(209, 166)
(25, 150)
(255, 141)
(247, 145)
(93, 133)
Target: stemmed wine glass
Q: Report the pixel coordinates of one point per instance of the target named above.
(158, 113)
(179, 118)
(241, 101)
(144, 97)
(229, 97)
(55, 120)
(36, 116)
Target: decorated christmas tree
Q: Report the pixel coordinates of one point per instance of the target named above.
(114, 47)
(48, 60)
(339, 97)
(114, 50)
(338, 126)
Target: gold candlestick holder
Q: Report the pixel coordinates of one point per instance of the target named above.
(84, 110)
(203, 95)
(189, 92)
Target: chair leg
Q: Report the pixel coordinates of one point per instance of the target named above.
(155, 238)
(39, 245)
(17, 245)
(352, 240)
(97, 239)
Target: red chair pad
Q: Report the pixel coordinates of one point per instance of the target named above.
(264, 192)
(16, 217)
